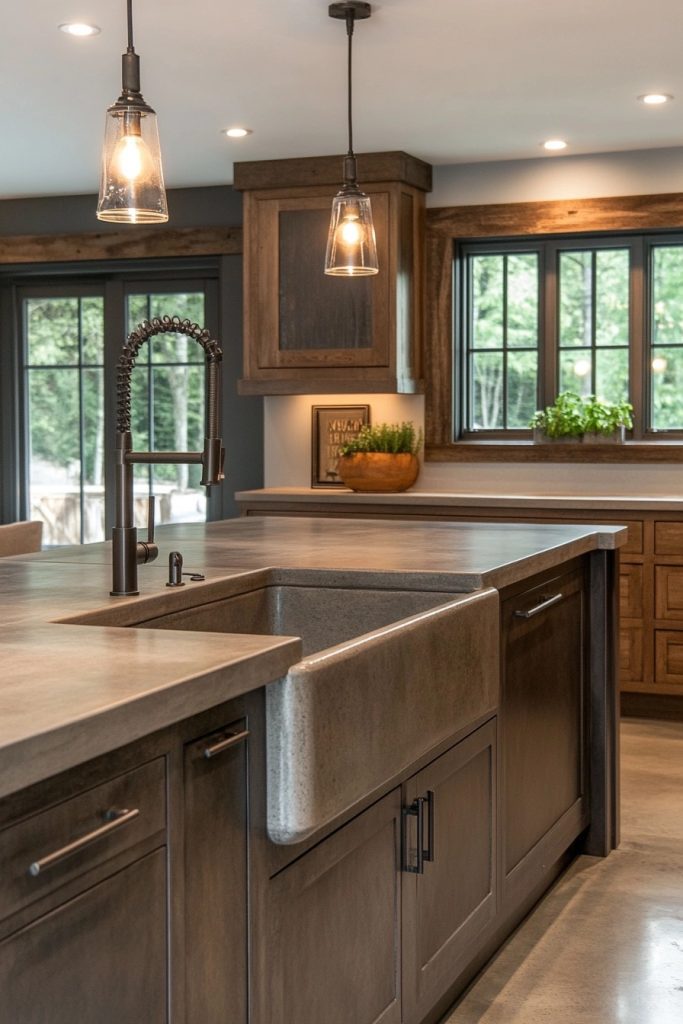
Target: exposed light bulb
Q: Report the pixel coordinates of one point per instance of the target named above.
(351, 231)
(659, 364)
(582, 367)
(131, 158)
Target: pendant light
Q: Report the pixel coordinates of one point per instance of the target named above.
(351, 245)
(132, 181)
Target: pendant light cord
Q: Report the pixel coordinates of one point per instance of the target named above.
(350, 19)
(131, 48)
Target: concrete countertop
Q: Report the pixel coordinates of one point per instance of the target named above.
(462, 499)
(72, 692)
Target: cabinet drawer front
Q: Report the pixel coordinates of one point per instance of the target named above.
(634, 540)
(669, 591)
(630, 654)
(669, 538)
(631, 591)
(669, 656)
(69, 824)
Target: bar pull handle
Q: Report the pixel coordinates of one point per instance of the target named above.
(416, 810)
(547, 602)
(115, 819)
(230, 741)
(429, 851)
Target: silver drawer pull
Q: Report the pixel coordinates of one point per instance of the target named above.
(537, 609)
(115, 820)
(230, 741)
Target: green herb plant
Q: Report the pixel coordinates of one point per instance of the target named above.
(396, 438)
(565, 418)
(601, 417)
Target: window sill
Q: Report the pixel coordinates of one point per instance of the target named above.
(529, 451)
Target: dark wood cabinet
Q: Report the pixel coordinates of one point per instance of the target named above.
(98, 957)
(448, 904)
(333, 942)
(543, 725)
(308, 333)
(215, 877)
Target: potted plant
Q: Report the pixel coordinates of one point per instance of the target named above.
(563, 421)
(381, 458)
(606, 422)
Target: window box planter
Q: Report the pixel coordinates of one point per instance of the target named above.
(541, 438)
(618, 436)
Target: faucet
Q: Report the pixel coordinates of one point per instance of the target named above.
(127, 551)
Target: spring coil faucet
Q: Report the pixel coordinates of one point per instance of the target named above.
(127, 551)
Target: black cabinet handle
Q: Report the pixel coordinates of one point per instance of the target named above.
(422, 853)
(547, 602)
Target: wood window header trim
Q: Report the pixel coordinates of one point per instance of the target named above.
(130, 243)
(575, 216)
(447, 225)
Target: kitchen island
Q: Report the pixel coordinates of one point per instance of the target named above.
(385, 905)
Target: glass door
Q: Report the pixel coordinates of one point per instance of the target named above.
(63, 376)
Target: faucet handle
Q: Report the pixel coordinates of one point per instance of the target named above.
(147, 550)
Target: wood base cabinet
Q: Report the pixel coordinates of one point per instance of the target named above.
(448, 903)
(374, 924)
(543, 725)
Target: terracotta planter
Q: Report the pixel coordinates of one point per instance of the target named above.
(378, 471)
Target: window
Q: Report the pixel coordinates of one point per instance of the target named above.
(71, 334)
(593, 315)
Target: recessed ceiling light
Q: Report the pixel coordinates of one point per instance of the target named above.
(655, 99)
(237, 133)
(79, 28)
(555, 144)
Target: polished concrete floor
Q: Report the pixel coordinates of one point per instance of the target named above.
(606, 945)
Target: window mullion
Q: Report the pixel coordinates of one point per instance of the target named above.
(550, 324)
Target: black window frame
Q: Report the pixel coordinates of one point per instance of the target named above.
(641, 246)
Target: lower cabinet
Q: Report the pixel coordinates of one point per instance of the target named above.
(543, 726)
(375, 923)
(215, 877)
(448, 893)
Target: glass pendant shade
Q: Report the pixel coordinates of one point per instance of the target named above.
(351, 244)
(132, 181)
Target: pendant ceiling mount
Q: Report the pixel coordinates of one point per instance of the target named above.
(132, 181)
(351, 245)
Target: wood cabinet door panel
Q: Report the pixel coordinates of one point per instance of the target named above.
(98, 959)
(543, 711)
(669, 657)
(631, 653)
(669, 592)
(631, 591)
(448, 906)
(634, 540)
(334, 926)
(669, 538)
(215, 827)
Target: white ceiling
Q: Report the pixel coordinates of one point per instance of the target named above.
(450, 81)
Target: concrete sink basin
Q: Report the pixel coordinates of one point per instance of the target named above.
(386, 676)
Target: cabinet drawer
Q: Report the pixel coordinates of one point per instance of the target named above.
(669, 656)
(669, 592)
(630, 654)
(634, 540)
(29, 846)
(631, 591)
(668, 538)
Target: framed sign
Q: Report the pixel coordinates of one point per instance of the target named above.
(333, 425)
